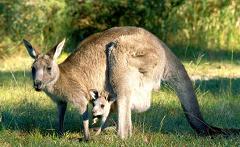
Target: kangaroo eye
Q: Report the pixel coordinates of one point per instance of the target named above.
(102, 106)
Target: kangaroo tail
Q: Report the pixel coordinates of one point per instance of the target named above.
(176, 75)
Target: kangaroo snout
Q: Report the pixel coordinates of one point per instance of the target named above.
(97, 112)
(94, 111)
(38, 85)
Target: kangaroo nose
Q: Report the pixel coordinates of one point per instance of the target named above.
(37, 82)
(37, 85)
(94, 111)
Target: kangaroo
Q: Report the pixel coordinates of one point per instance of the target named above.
(138, 63)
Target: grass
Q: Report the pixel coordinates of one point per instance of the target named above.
(29, 117)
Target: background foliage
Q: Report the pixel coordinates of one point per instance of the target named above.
(190, 28)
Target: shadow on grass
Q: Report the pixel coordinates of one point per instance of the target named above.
(28, 117)
(16, 77)
(165, 118)
(171, 119)
(219, 86)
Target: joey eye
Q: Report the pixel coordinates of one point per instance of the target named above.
(102, 106)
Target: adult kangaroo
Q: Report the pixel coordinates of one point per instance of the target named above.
(138, 61)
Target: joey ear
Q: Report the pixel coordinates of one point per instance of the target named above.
(56, 51)
(31, 51)
(111, 100)
(93, 93)
(107, 96)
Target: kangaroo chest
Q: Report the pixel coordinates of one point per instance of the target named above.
(55, 97)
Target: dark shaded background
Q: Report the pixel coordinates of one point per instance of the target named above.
(189, 28)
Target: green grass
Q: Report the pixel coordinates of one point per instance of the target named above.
(29, 117)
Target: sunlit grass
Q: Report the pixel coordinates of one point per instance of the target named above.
(212, 69)
(29, 117)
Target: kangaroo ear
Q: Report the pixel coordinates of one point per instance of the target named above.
(93, 93)
(56, 51)
(31, 51)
